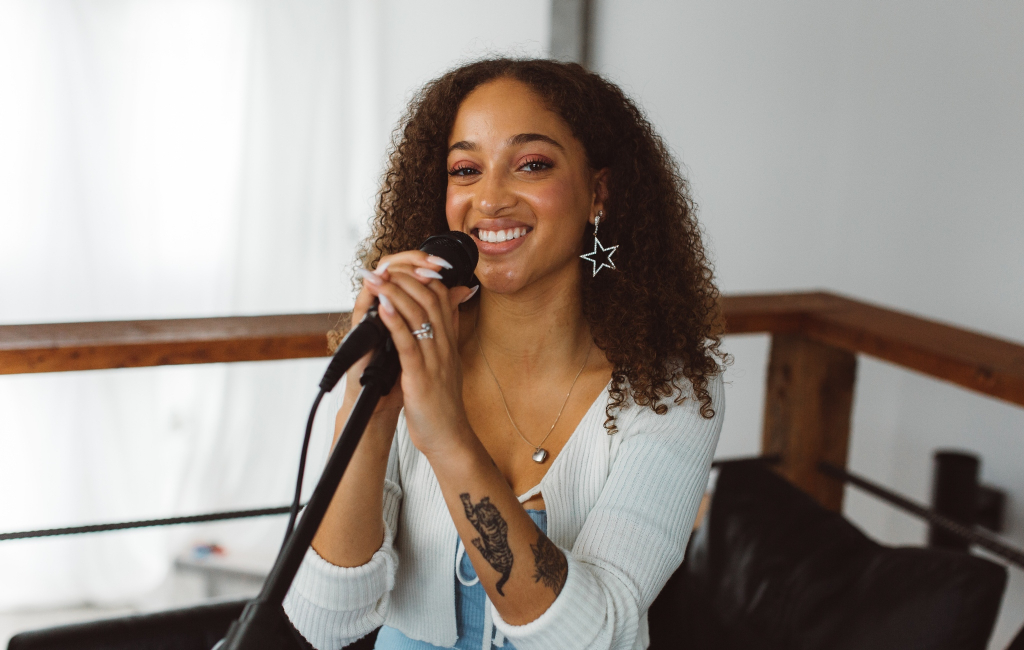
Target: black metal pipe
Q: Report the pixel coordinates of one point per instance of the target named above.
(954, 495)
(995, 546)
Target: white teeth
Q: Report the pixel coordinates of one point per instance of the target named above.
(496, 236)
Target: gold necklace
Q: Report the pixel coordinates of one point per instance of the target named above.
(539, 453)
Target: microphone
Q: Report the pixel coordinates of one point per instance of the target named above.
(455, 247)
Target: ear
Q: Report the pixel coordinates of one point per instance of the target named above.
(600, 185)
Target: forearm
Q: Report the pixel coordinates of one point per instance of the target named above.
(520, 568)
(353, 527)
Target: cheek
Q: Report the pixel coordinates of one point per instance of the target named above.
(553, 201)
(456, 205)
(561, 205)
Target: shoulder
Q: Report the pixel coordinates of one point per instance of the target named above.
(682, 413)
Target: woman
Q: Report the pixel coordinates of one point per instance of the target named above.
(534, 480)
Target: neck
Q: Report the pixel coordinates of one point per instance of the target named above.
(538, 330)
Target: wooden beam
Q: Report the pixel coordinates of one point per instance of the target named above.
(130, 344)
(983, 363)
(808, 403)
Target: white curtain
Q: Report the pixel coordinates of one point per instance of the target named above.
(169, 159)
(178, 158)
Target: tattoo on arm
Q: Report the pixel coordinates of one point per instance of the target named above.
(552, 567)
(493, 540)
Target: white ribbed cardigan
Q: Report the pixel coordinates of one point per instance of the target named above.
(620, 506)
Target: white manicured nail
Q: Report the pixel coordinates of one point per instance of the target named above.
(383, 266)
(368, 276)
(386, 305)
(471, 294)
(427, 273)
(440, 261)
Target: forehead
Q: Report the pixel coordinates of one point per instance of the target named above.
(503, 108)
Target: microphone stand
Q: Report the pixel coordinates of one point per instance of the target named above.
(263, 623)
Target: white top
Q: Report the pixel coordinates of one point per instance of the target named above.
(620, 506)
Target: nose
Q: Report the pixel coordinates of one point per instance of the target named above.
(494, 195)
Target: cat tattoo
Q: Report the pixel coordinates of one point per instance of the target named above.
(552, 568)
(493, 540)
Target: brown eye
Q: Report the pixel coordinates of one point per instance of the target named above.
(535, 165)
(462, 171)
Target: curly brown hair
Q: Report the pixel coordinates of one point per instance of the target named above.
(657, 317)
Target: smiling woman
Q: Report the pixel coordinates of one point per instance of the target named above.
(493, 454)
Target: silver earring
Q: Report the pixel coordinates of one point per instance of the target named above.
(600, 257)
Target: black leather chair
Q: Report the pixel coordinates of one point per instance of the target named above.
(770, 569)
(192, 628)
(1018, 641)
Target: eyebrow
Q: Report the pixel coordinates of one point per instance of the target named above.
(523, 138)
(516, 140)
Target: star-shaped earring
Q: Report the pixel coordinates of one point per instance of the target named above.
(605, 260)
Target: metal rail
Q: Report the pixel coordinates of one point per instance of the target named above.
(991, 544)
(147, 523)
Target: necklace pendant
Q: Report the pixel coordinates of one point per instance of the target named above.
(540, 455)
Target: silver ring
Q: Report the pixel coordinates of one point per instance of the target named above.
(426, 331)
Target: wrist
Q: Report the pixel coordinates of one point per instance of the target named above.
(460, 450)
(380, 427)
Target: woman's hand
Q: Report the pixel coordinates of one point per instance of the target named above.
(411, 296)
(364, 300)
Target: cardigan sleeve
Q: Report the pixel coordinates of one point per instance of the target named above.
(334, 606)
(635, 536)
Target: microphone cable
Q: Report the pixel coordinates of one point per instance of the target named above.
(294, 512)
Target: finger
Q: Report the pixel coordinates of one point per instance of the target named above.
(412, 259)
(459, 295)
(365, 297)
(412, 300)
(433, 298)
(410, 352)
(409, 309)
(422, 273)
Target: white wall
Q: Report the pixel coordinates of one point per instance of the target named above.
(870, 148)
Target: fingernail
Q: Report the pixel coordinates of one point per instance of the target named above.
(386, 305)
(471, 294)
(383, 266)
(369, 276)
(427, 273)
(440, 261)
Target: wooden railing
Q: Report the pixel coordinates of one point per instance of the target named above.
(811, 372)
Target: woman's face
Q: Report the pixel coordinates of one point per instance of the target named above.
(519, 183)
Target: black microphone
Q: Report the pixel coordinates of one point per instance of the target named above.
(456, 248)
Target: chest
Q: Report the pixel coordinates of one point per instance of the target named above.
(513, 422)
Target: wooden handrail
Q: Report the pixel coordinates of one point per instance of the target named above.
(976, 361)
(58, 347)
(982, 363)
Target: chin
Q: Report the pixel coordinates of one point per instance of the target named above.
(501, 284)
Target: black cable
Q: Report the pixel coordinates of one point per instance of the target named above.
(294, 512)
(145, 523)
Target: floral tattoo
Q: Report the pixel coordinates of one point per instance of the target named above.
(552, 567)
